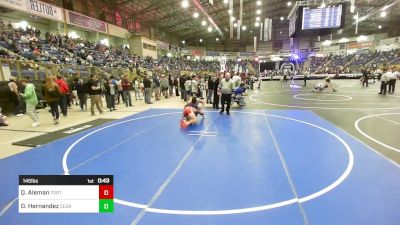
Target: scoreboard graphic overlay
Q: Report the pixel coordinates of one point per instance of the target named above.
(66, 194)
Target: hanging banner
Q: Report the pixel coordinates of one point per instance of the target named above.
(162, 45)
(185, 51)
(255, 43)
(222, 63)
(355, 45)
(212, 53)
(137, 26)
(35, 7)
(266, 29)
(85, 21)
(118, 18)
(130, 25)
(270, 29)
(248, 54)
(197, 53)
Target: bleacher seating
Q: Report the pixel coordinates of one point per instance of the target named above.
(27, 46)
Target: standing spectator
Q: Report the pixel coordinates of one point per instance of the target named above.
(396, 74)
(365, 76)
(284, 79)
(31, 101)
(136, 88)
(126, 86)
(81, 91)
(215, 90)
(305, 78)
(119, 88)
(64, 90)
(392, 81)
(202, 87)
(195, 87)
(236, 79)
(94, 90)
(210, 88)
(384, 81)
(164, 85)
(13, 95)
(188, 89)
(182, 80)
(226, 87)
(171, 85)
(176, 85)
(147, 90)
(52, 95)
(156, 84)
(110, 94)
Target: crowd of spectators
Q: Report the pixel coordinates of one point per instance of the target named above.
(27, 44)
(352, 63)
(57, 49)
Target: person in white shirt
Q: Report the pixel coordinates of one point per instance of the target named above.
(226, 87)
(188, 88)
(89, 58)
(384, 82)
(236, 80)
(195, 87)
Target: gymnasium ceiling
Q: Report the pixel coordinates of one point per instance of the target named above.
(170, 17)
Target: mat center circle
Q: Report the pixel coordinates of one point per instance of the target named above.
(306, 198)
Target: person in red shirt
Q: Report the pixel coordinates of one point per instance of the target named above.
(126, 87)
(64, 90)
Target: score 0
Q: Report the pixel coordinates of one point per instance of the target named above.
(106, 198)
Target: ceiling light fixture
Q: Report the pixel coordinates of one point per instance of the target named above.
(380, 27)
(383, 14)
(256, 24)
(289, 4)
(203, 23)
(183, 42)
(230, 11)
(282, 18)
(209, 29)
(217, 39)
(385, 7)
(233, 18)
(185, 3)
(244, 27)
(257, 18)
(259, 2)
(201, 40)
(195, 14)
(226, 1)
(235, 25)
(258, 11)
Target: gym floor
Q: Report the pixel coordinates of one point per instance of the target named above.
(289, 157)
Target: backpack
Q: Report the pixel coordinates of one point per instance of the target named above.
(54, 93)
